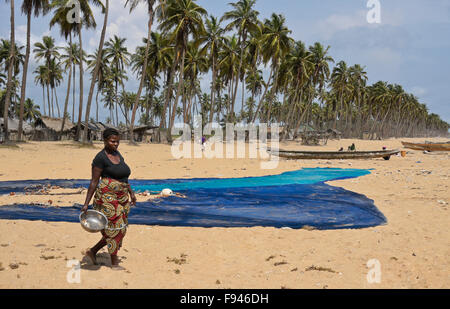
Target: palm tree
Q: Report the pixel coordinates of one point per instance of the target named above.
(88, 21)
(118, 77)
(71, 59)
(319, 75)
(196, 62)
(213, 39)
(41, 78)
(150, 12)
(31, 111)
(55, 77)
(299, 68)
(5, 56)
(68, 60)
(358, 78)
(159, 59)
(102, 72)
(255, 82)
(28, 7)
(96, 71)
(108, 95)
(46, 50)
(276, 44)
(118, 54)
(340, 86)
(182, 18)
(245, 20)
(228, 59)
(10, 73)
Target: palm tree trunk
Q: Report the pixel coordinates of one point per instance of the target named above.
(66, 103)
(269, 110)
(213, 87)
(53, 110)
(24, 76)
(95, 76)
(96, 102)
(169, 89)
(57, 105)
(144, 73)
(116, 105)
(80, 109)
(43, 98)
(243, 94)
(180, 88)
(148, 103)
(289, 117)
(264, 95)
(125, 107)
(238, 75)
(10, 74)
(73, 89)
(48, 101)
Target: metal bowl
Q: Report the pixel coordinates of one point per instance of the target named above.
(93, 221)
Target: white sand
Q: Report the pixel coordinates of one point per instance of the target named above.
(413, 249)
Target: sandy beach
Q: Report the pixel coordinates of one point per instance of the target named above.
(413, 248)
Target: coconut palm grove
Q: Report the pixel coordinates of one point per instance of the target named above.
(258, 73)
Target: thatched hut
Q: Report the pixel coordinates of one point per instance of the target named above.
(94, 130)
(13, 128)
(47, 129)
(146, 133)
(103, 126)
(334, 134)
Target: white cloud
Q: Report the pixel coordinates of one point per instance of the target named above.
(132, 26)
(335, 23)
(386, 57)
(419, 91)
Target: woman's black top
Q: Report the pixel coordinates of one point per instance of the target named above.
(120, 171)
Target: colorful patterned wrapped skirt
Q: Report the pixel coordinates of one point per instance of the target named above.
(111, 198)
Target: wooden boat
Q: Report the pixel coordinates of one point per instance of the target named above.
(428, 146)
(332, 155)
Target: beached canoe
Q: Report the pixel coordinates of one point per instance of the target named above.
(428, 146)
(332, 155)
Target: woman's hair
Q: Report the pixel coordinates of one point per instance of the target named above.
(109, 132)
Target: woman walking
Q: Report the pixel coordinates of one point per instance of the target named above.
(111, 196)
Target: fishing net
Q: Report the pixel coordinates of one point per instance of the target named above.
(292, 199)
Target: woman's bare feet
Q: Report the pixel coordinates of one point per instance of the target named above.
(115, 263)
(91, 256)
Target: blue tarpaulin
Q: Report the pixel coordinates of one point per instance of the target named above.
(292, 199)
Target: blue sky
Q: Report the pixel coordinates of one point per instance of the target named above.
(409, 47)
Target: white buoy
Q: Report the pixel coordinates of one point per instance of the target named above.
(166, 192)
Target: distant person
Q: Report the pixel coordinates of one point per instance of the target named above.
(352, 147)
(203, 143)
(111, 196)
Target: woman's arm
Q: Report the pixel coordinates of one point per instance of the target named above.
(132, 196)
(96, 173)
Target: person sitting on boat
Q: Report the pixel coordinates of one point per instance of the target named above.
(352, 147)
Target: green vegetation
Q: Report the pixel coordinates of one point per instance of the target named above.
(304, 85)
